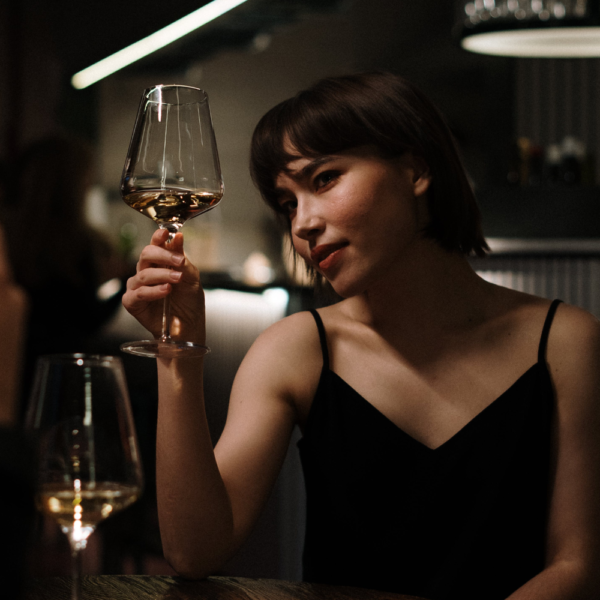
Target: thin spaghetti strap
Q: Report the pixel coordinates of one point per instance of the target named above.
(546, 331)
(322, 337)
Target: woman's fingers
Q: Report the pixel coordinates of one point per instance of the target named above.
(140, 297)
(159, 237)
(143, 293)
(153, 276)
(149, 285)
(163, 269)
(176, 244)
(157, 249)
(161, 265)
(153, 255)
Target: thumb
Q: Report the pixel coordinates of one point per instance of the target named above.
(177, 243)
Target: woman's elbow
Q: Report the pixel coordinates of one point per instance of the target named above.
(190, 567)
(198, 562)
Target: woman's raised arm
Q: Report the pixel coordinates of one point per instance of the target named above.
(208, 501)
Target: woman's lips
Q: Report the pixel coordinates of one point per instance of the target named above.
(325, 255)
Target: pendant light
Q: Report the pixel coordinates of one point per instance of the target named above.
(531, 28)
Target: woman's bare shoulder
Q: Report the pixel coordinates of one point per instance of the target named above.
(572, 356)
(299, 331)
(511, 301)
(575, 334)
(286, 359)
(571, 325)
(296, 333)
(574, 316)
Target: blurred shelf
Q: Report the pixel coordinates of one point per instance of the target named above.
(542, 213)
(545, 246)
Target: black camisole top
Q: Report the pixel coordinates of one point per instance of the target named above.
(464, 521)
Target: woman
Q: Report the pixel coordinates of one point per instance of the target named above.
(449, 425)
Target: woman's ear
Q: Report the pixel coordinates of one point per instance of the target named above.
(421, 176)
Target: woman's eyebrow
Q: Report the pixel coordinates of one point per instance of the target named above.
(309, 169)
(304, 173)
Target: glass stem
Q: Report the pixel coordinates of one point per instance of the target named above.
(78, 536)
(166, 318)
(76, 574)
(166, 324)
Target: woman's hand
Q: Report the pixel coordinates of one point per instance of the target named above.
(164, 269)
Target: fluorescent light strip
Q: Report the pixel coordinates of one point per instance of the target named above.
(157, 40)
(551, 42)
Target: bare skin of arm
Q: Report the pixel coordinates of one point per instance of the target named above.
(574, 528)
(208, 501)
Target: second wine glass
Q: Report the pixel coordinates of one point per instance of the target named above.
(171, 174)
(89, 464)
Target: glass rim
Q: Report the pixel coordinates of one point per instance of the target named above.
(149, 91)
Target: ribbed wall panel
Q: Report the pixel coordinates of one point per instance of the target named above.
(575, 280)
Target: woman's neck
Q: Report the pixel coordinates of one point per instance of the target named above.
(429, 290)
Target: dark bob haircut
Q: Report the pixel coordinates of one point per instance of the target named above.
(388, 112)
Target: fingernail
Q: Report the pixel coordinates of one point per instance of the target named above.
(175, 275)
(178, 259)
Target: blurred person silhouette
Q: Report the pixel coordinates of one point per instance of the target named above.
(58, 258)
(16, 469)
(13, 314)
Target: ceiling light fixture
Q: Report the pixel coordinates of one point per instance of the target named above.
(153, 42)
(531, 28)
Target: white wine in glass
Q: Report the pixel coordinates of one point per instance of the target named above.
(88, 465)
(171, 174)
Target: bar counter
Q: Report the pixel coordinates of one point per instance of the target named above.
(145, 587)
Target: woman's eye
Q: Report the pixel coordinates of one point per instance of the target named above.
(324, 178)
(288, 207)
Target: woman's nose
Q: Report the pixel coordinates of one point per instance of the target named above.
(307, 222)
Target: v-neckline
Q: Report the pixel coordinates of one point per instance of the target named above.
(461, 432)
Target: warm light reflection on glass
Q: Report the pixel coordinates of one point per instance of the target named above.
(79, 534)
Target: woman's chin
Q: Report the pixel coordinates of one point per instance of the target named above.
(346, 289)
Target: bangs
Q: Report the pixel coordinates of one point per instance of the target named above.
(290, 131)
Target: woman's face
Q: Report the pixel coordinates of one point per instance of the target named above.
(354, 214)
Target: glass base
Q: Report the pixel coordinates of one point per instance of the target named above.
(165, 349)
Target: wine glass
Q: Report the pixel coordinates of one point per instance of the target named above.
(171, 174)
(88, 465)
